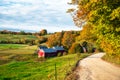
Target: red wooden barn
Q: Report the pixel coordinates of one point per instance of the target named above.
(48, 52)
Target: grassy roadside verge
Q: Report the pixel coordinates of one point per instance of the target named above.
(112, 59)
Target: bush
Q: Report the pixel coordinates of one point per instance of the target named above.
(59, 54)
(65, 53)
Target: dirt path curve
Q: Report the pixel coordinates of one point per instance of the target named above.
(94, 68)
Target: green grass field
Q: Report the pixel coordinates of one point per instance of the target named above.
(19, 63)
(9, 52)
(11, 46)
(34, 69)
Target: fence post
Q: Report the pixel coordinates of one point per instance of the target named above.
(55, 72)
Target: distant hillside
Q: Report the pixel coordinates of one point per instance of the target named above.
(22, 39)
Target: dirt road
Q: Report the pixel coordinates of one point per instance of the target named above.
(94, 68)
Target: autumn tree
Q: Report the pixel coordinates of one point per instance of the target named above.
(68, 39)
(55, 39)
(104, 15)
(87, 34)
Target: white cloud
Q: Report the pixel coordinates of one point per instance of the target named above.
(35, 13)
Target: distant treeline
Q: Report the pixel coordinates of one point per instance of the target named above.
(15, 33)
(40, 33)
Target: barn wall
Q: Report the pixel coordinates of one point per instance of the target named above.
(41, 53)
(51, 54)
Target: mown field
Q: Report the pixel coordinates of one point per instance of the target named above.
(11, 46)
(20, 63)
(9, 52)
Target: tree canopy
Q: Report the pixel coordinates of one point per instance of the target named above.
(55, 39)
(68, 39)
(104, 15)
(43, 32)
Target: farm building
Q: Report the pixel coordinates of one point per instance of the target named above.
(50, 52)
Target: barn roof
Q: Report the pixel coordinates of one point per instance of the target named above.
(58, 48)
(49, 50)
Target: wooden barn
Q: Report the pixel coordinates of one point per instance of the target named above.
(50, 52)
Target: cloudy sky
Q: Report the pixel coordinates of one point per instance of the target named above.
(36, 15)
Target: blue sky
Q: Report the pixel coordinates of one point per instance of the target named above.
(36, 15)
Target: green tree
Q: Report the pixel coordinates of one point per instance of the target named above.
(22, 32)
(43, 32)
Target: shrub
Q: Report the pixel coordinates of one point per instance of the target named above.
(59, 54)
